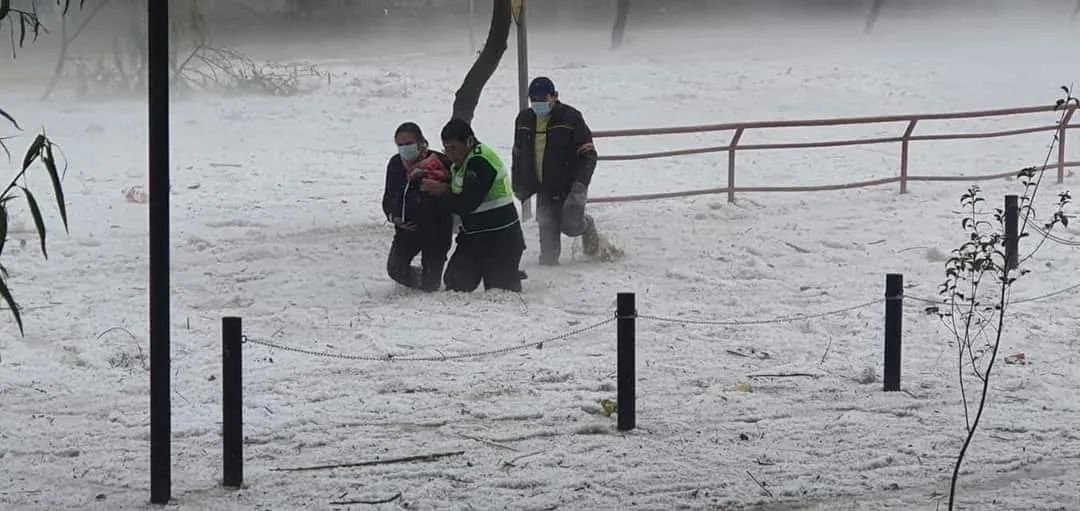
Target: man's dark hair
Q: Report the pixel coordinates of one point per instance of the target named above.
(457, 130)
(410, 127)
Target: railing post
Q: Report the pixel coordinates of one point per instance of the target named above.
(894, 314)
(1061, 141)
(626, 312)
(1012, 231)
(731, 164)
(232, 401)
(904, 155)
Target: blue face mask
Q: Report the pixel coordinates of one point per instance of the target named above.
(541, 108)
(409, 152)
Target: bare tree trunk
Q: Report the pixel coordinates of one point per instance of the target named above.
(60, 59)
(468, 96)
(65, 43)
(622, 11)
(871, 18)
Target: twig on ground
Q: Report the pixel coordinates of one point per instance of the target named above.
(512, 462)
(407, 459)
(488, 442)
(784, 375)
(759, 483)
(798, 248)
(826, 351)
(353, 502)
(115, 329)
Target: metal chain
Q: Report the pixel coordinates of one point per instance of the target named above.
(579, 331)
(1054, 237)
(1048, 295)
(1012, 302)
(444, 358)
(924, 300)
(786, 319)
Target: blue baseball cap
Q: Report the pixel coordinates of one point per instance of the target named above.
(540, 88)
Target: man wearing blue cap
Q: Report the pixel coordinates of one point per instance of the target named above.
(554, 159)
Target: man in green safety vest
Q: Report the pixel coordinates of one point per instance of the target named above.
(490, 241)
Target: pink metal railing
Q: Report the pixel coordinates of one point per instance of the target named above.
(905, 141)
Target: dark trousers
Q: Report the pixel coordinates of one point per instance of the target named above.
(431, 244)
(490, 257)
(556, 217)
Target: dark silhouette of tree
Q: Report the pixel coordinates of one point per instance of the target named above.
(622, 11)
(871, 19)
(468, 96)
(65, 44)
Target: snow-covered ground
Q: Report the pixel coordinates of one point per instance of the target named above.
(289, 235)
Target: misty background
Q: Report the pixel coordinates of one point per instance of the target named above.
(287, 29)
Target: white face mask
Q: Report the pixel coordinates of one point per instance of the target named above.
(541, 108)
(409, 152)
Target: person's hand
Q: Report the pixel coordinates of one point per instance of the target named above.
(399, 223)
(416, 174)
(435, 188)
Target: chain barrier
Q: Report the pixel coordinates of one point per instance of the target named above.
(443, 358)
(594, 326)
(1054, 237)
(1048, 295)
(783, 319)
(941, 301)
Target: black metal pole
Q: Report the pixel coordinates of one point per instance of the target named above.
(160, 398)
(627, 316)
(232, 400)
(894, 314)
(523, 84)
(1012, 230)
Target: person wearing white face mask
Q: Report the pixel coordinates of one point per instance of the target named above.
(554, 159)
(423, 224)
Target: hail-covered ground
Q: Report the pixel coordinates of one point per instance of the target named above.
(276, 218)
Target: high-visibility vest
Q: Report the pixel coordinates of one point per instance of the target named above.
(500, 194)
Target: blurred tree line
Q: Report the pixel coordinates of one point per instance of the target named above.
(225, 16)
(579, 10)
(240, 13)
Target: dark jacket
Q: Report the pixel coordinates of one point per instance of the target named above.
(569, 155)
(402, 198)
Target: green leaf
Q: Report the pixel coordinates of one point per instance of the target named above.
(35, 211)
(4, 147)
(34, 151)
(22, 31)
(6, 295)
(58, 189)
(3, 227)
(9, 118)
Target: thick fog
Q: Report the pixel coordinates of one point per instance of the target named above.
(284, 29)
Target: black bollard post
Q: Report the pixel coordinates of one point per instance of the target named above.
(232, 400)
(894, 313)
(627, 317)
(1012, 231)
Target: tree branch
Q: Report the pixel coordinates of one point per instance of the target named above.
(389, 461)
